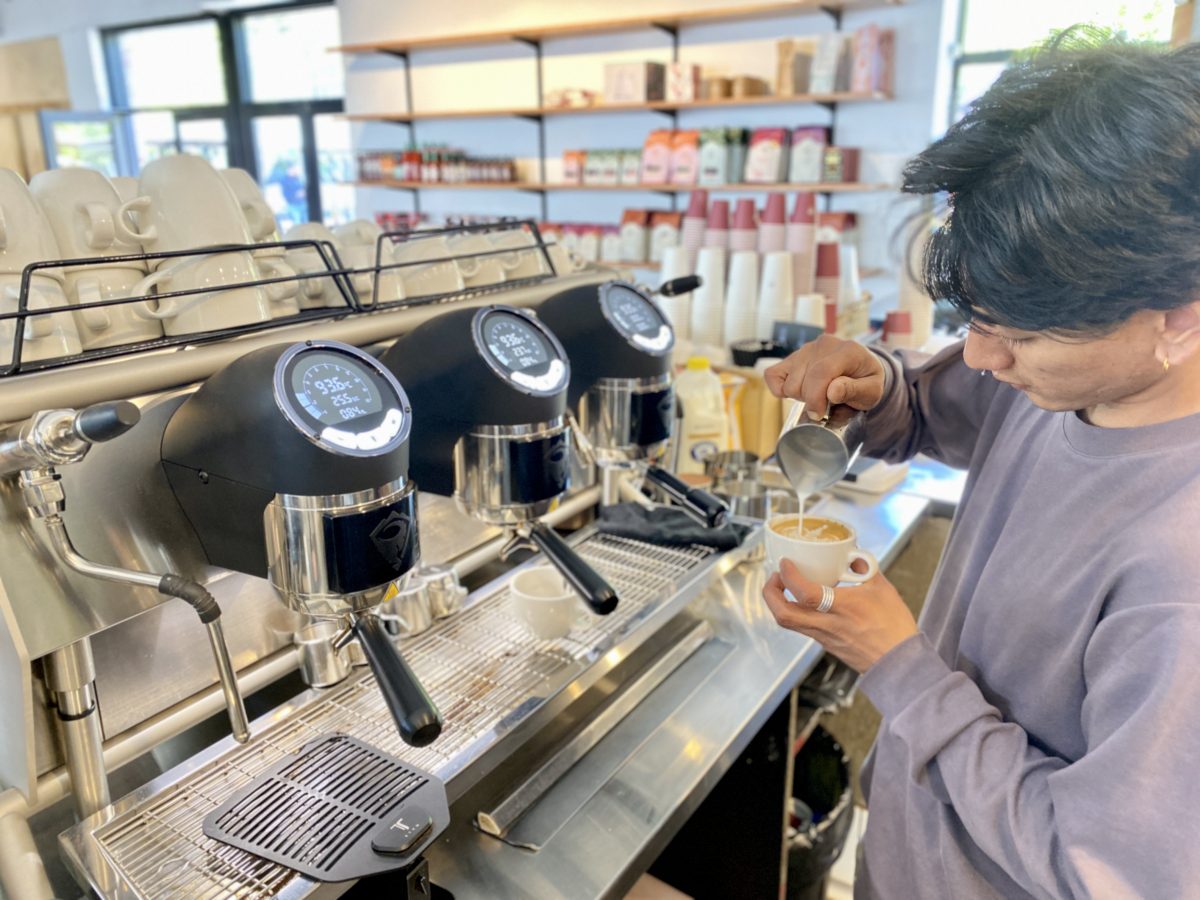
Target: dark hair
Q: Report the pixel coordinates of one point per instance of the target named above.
(1074, 188)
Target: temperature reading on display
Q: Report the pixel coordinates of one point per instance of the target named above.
(514, 343)
(332, 388)
(633, 314)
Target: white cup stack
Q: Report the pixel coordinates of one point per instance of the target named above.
(708, 300)
(740, 296)
(776, 299)
(678, 309)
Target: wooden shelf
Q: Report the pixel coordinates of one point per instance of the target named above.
(669, 21)
(534, 187)
(663, 106)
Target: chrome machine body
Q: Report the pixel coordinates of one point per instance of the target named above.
(620, 343)
(489, 387)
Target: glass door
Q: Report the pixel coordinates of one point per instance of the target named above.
(83, 139)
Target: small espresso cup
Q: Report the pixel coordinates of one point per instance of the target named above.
(542, 599)
(824, 550)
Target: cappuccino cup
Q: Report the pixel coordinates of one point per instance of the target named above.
(823, 549)
(542, 599)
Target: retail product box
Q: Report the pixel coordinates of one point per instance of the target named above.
(748, 86)
(602, 167)
(634, 82)
(806, 157)
(574, 162)
(793, 64)
(766, 160)
(630, 166)
(739, 143)
(683, 82)
(685, 157)
(716, 88)
(635, 235)
(656, 157)
(714, 156)
(873, 59)
(589, 242)
(841, 164)
(831, 64)
(664, 232)
(610, 244)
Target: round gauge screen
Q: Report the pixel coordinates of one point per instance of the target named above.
(637, 319)
(515, 343)
(333, 388)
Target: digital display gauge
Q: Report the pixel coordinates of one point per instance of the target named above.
(341, 398)
(522, 351)
(637, 319)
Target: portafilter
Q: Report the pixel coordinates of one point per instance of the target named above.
(619, 343)
(489, 387)
(291, 463)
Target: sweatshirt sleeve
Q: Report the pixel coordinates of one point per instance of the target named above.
(1118, 822)
(932, 405)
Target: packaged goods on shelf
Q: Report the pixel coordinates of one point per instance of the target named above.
(841, 165)
(634, 82)
(837, 228)
(573, 165)
(630, 166)
(830, 70)
(873, 59)
(589, 242)
(793, 62)
(610, 244)
(434, 164)
(683, 82)
(807, 154)
(716, 88)
(664, 232)
(715, 157)
(766, 160)
(739, 147)
(602, 167)
(656, 157)
(635, 235)
(570, 98)
(748, 86)
(685, 157)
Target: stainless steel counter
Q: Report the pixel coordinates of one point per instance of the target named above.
(612, 813)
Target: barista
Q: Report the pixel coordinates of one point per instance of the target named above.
(1039, 727)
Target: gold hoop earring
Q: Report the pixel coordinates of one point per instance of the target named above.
(1166, 365)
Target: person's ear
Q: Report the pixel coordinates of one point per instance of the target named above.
(1180, 337)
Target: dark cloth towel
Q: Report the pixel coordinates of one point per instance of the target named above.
(667, 525)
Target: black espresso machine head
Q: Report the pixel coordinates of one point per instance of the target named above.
(489, 386)
(619, 343)
(291, 463)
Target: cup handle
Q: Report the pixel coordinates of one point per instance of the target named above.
(260, 219)
(88, 291)
(98, 225)
(167, 308)
(852, 577)
(123, 217)
(274, 268)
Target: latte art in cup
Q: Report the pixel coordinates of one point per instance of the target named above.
(814, 528)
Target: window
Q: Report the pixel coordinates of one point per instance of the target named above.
(990, 31)
(259, 91)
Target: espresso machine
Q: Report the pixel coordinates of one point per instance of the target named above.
(619, 343)
(291, 464)
(489, 386)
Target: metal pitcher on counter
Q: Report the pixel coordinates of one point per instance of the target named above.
(814, 454)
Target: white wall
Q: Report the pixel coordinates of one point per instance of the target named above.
(503, 75)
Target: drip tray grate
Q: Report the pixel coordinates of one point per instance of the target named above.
(323, 812)
(481, 667)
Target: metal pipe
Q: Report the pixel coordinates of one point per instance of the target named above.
(71, 676)
(227, 678)
(486, 553)
(22, 872)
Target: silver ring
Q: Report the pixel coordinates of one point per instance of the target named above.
(826, 603)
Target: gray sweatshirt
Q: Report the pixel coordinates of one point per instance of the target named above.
(1041, 735)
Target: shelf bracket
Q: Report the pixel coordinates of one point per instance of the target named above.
(835, 13)
(535, 43)
(672, 31)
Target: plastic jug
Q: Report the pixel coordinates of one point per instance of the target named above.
(705, 427)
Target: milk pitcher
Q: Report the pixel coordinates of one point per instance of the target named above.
(816, 454)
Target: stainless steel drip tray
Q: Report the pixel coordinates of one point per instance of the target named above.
(496, 685)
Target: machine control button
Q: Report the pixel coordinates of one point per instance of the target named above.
(402, 835)
(552, 378)
(340, 438)
(660, 341)
(383, 433)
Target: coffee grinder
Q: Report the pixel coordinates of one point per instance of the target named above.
(619, 343)
(291, 464)
(489, 387)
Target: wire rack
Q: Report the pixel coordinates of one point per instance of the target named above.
(346, 301)
(482, 668)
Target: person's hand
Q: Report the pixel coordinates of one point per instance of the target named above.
(865, 622)
(829, 370)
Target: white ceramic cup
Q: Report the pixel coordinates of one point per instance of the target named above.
(259, 218)
(127, 190)
(360, 240)
(561, 259)
(46, 337)
(776, 299)
(480, 271)
(542, 599)
(110, 326)
(323, 291)
(190, 206)
(826, 561)
(220, 306)
(87, 215)
(525, 264)
(435, 278)
(25, 232)
(740, 296)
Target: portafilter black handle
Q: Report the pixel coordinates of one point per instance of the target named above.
(416, 717)
(700, 505)
(597, 593)
(685, 284)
